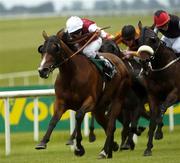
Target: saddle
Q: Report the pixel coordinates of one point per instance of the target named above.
(105, 67)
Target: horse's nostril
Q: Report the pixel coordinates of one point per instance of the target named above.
(44, 73)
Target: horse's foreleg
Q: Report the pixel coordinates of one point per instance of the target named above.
(111, 127)
(124, 135)
(171, 99)
(79, 149)
(92, 136)
(52, 124)
(124, 119)
(87, 106)
(152, 126)
(159, 132)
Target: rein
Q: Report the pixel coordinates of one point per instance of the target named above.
(165, 67)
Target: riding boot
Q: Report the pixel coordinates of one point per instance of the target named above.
(109, 69)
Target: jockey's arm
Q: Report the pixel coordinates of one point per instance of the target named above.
(155, 30)
(102, 33)
(129, 54)
(118, 38)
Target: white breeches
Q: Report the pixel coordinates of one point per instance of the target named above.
(91, 50)
(173, 43)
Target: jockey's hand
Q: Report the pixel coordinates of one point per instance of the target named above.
(109, 37)
(127, 54)
(98, 32)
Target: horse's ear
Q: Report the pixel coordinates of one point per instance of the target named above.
(152, 27)
(60, 33)
(140, 25)
(44, 34)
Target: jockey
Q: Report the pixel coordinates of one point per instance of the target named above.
(129, 37)
(77, 27)
(169, 26)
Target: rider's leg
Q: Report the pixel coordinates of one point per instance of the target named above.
(91, 51)
(176, 45)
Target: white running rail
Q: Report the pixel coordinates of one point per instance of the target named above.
(26, 76)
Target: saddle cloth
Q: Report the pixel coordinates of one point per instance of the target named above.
(105, 67)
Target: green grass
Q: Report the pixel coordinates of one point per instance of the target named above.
(164, 151)
(19, 41)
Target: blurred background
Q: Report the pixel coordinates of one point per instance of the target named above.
(93, 7)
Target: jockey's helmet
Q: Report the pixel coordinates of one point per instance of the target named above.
(128, 32)
(73, 24)
(161, 18)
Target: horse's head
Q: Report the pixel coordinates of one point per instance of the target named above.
(50, 53)
(151, 41)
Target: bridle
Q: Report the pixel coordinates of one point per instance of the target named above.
(152, 57)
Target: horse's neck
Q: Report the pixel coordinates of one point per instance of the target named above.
(163, 56)
(71, 68)
(68, 68)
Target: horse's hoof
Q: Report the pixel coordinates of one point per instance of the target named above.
(41, 146)
(125, 147)
(158, 135)
(79, 152)
(70, 142)
(115, 146)
(140, 130)
(102, 155)
(92, 138)
(132, 146)
(147, 152)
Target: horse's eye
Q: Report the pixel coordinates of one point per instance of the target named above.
(40, 49)
(153, 39)
(56, 47)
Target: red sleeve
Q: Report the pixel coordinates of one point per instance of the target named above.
(86, 24)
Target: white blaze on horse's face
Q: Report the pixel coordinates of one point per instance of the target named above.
(43, 60)
(46, 65)
(47, 61)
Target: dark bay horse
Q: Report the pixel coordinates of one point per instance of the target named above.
(79, 86)
(135, 100)
(161, 76)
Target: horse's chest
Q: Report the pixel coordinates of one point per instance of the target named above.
(70, 96)
(159, 85)
(71, 100)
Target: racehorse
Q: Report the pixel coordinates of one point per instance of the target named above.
(135, 100)
(79, 86)
(161, 75)
(133, 107)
